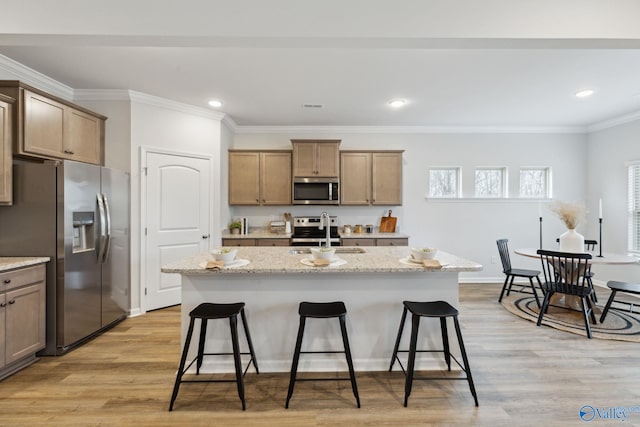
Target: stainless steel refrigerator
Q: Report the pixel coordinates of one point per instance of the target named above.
(77, 214)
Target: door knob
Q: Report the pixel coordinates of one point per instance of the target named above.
(205, 236)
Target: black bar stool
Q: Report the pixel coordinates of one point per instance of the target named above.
(204, 312)
(322, 310)
(442, 310)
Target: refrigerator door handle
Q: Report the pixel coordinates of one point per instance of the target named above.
(107, 246)
(102, 237)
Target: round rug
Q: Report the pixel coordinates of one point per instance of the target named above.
(618, 325)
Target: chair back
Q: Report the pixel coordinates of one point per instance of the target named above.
(589, 245)
(503, 249)
(566, 272)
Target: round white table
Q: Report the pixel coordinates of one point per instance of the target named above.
(607, 258)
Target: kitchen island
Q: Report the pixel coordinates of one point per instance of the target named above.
(272, 281)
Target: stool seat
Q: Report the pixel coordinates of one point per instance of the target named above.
(615, 286)
(322, 310)
(209, 311)
(433, 309)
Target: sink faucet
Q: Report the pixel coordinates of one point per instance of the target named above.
(325, 217)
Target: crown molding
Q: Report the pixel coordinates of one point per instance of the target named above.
(408, 129)
(35, 78)
(617, 121)
(230, 123)
(101, 95)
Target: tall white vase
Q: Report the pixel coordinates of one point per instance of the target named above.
(571, 241)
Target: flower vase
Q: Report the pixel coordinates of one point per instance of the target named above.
(571, 241)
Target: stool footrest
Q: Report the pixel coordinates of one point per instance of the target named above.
(323, 379)
(323, 352)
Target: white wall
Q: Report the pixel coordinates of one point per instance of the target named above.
(156, 127)
(609, 149)
(467, 227)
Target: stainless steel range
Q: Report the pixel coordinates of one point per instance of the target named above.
(307, 231)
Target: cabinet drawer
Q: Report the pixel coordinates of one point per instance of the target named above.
(272, 242)
(238, 242)
(392, 242)
(21, 277)
(358, 242)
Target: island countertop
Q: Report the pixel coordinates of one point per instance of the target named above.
(278, 260)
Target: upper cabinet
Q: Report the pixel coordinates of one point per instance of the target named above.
(48, 127)
(5, 150)
(371, 178)
(316, 158)
(260, 178)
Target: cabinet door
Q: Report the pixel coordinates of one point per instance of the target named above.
(3, 323)
(304, 154)
(238, 242)
(386, 178)
(83, 137)
(327, 159)
(355, 178)
(25, 324)
(275, 178)
(244, 178)
(43, 125)
(5, 154)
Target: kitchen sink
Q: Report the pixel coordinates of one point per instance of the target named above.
(339, 250)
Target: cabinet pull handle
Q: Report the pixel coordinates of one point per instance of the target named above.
(69, 152)
(3, 305)
(7, 281)
(12, 301)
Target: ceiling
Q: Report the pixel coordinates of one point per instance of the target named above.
(503, 64)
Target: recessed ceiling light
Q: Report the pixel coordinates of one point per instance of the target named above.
(584, 93)
(397, 103)
(215, 103)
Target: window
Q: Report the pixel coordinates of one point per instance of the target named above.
(444, 182)
(535, 182)
(634, 207)
(490, 182)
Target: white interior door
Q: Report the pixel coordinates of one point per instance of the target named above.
(177, 221)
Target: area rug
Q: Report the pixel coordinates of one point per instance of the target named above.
(618, 325)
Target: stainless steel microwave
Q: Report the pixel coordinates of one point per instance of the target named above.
(316, 191)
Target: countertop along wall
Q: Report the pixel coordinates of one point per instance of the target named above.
(468, 226)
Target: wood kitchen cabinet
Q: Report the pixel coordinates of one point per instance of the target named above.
(260, 178)
(371, 177)
(6, 175)
(22, 317)
(395, 241)
(49, 127)
(256, 242)
(316, 158)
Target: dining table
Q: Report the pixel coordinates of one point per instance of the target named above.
(607, 258)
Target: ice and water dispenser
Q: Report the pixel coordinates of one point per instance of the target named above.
(83, 232)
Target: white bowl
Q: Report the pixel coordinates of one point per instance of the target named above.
(323, 253)
(224, 254)
(423, 253)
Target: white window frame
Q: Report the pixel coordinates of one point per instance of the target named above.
(458, 186)
(548, 192)
(634, 206)
(503, 178)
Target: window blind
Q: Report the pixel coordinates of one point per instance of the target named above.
(634, 207)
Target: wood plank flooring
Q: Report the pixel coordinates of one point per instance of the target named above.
(525, 376)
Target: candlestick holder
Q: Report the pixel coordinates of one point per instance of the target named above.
(600, 242)
(540, 233)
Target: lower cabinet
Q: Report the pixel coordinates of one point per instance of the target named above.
(375, 242)
(255, 242)
(22, 317)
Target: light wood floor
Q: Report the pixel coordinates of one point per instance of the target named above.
(525, 376)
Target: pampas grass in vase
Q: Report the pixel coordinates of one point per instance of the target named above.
(572, 214)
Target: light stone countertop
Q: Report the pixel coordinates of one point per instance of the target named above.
(279, 260)
(375, 235)
(11, 263)
(263, 233)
